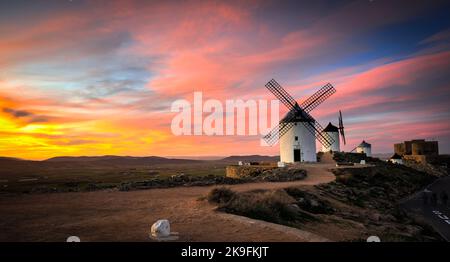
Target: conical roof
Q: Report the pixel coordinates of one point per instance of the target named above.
(364, 144)
(330, 128)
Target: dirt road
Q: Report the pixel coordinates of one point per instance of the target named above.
(127, 216)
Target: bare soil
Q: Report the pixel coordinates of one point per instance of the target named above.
(127, 216)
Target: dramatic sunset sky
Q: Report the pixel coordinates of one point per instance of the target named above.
(98, 77)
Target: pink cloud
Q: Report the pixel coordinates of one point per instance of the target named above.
(225, 50)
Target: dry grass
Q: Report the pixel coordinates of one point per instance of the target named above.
(220, 195)
(273, 206)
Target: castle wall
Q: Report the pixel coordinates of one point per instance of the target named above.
(417, 147)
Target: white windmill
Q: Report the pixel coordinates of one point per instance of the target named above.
(364, 148)
(334, 132)
(298, 130)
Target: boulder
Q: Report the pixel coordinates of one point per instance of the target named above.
(161, 228)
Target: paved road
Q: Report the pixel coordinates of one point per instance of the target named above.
(437, 214)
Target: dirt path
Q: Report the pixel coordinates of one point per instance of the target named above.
(127, 216)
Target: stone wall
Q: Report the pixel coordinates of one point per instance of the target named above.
(417, 147)
(419, 159)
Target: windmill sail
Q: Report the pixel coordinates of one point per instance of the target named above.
(281, 94)
(341, 127)
(317, 98)
(298, 114)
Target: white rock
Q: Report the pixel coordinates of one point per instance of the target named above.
(161, 228)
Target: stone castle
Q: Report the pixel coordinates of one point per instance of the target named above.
(419, 150)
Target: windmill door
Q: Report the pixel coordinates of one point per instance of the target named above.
(296, 155)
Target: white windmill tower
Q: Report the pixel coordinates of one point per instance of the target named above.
(298, 130)
(364, 147)
(334, 132)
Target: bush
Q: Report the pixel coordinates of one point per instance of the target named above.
(274, 206)
(310, 202)
(220, 195)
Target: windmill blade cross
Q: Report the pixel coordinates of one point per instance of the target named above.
(273, 136)
(343, 136)
(311, 125)
(318, 98)
(317, 130)
(282, 95)
(300, 112)
(285, 124)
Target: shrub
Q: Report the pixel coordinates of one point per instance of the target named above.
(309, 202)
(220, 195)
(274, 206)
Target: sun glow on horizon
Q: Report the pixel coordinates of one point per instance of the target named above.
(98, 78)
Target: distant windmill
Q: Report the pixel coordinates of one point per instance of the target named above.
(363, 148)
(333, 132)
(298, 130)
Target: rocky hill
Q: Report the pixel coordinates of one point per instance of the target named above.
(360, 203)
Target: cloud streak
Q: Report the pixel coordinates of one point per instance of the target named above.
(86, 78)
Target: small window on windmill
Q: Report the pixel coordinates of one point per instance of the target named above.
(296, 138)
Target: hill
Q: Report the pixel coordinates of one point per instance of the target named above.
(120, 160)
(60, 174)
(6, 159)
(252, 158)
(361, 202)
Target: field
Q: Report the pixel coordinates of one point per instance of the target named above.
(72, 176)
(95, 173)
(345, 203)
(112, 215)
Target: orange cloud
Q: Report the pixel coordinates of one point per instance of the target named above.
(67, 67)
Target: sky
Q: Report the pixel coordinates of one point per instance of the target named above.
(99, 77)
